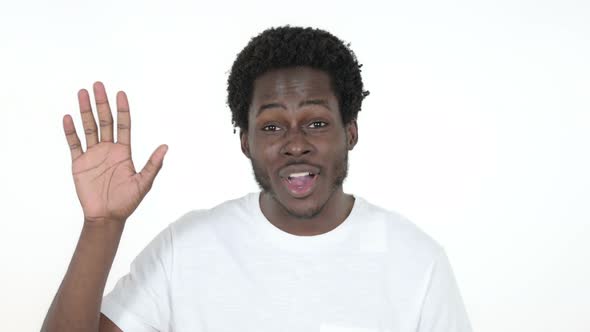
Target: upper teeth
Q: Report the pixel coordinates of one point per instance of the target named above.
(296, 175)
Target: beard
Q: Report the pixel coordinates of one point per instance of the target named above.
(340, 168)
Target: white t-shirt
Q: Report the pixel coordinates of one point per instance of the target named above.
(229, 269)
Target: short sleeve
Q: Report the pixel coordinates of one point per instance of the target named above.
(443, 309)
(139, 301)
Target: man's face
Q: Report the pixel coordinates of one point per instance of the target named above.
(296, 141)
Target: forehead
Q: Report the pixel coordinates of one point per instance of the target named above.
(296, 82)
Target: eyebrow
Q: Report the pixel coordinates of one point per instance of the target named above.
(320, 102)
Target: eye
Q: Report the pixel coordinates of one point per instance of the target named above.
(317, 124)
(270, 127)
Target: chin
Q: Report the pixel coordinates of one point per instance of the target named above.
(307, 208)
(302, 208)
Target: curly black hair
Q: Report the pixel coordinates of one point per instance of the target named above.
(284, 47)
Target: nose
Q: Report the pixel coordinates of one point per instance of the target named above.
(296, 144)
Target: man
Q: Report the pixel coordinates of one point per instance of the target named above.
(301, 255)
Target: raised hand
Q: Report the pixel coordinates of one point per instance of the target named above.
(108, 187)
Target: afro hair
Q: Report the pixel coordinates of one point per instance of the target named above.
(285, 47)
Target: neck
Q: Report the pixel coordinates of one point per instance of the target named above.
(332, 214)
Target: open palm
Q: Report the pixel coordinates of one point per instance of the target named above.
(107, 184)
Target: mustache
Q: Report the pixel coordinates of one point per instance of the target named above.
(300, 162)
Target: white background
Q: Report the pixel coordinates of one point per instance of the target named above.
(477, 129)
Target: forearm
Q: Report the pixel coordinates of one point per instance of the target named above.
(76, 306)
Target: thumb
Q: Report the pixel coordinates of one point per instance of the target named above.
(151, 168)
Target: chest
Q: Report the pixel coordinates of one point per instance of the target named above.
(227, 290)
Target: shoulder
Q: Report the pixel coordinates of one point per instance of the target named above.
(205, 225)
(399, 234)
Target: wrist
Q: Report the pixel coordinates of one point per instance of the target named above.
(104, 223)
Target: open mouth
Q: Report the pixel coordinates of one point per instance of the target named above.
(300, 184)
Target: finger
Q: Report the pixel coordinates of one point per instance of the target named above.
(123, 119)
(87, 118)
(105, 118)
(151, 168)
(72, 137)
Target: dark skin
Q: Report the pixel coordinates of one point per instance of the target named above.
(109, 189)
(294, 118)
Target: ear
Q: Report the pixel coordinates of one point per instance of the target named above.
(352, 134)
(244, 143)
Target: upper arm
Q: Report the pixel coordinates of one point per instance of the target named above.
(107, 325)
(442, 306)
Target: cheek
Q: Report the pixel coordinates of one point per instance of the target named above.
(335, 157)
(334, 147)
(264, 150)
